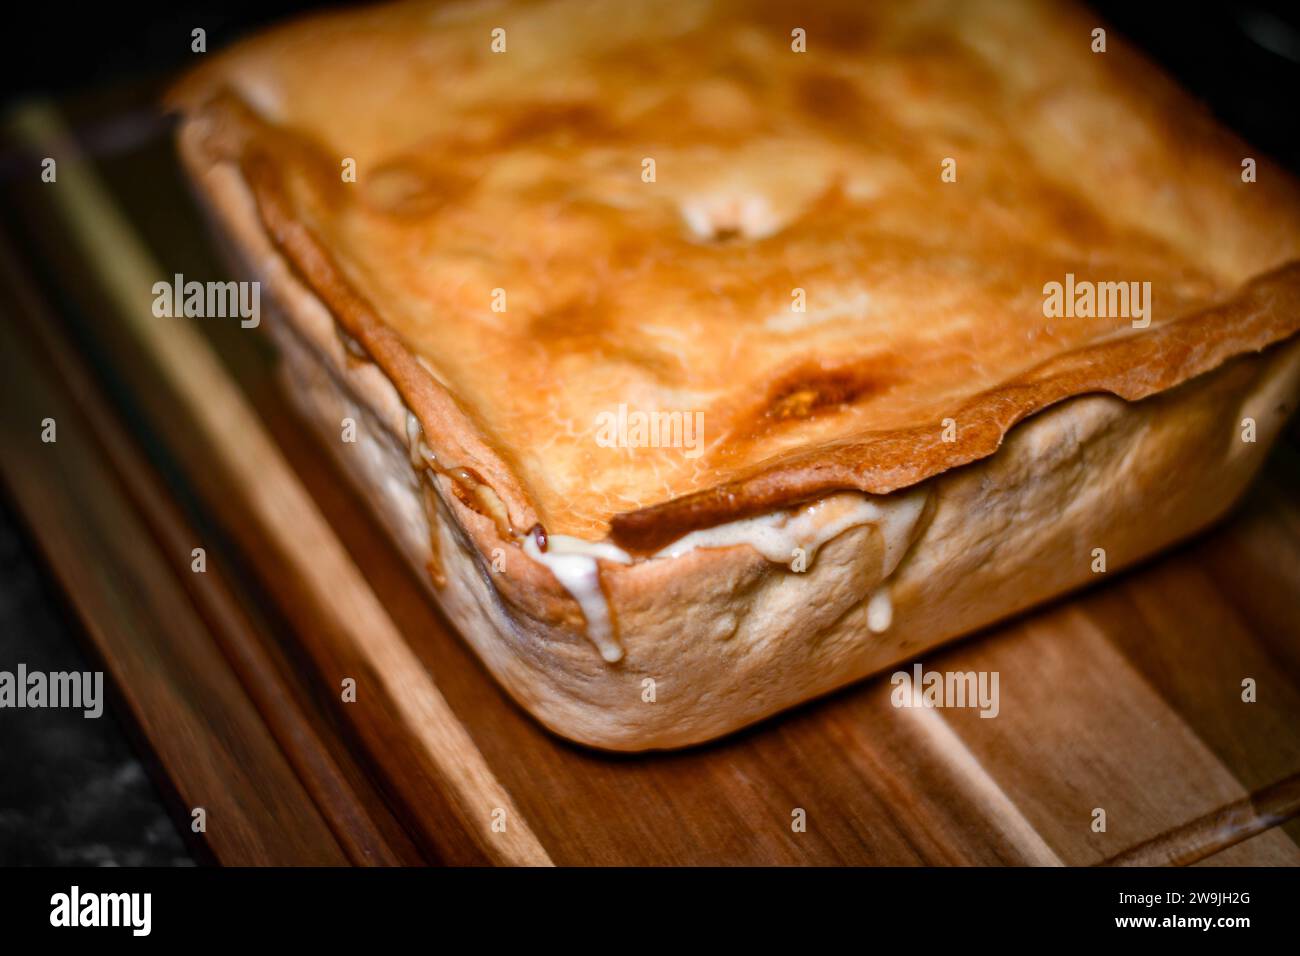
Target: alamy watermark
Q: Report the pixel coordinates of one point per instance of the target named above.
(922, 688)
(78, 690)
(621, 428)
(130, 910)
(1084, 299)
(208, 300)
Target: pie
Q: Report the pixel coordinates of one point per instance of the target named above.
(706, 357)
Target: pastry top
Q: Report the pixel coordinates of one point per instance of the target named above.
(622, 211)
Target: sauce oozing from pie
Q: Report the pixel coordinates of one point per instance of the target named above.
(789, 536)
(574, 562)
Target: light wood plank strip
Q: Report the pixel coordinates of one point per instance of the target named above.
(974, 780)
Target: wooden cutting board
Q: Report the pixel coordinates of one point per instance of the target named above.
(172, 435)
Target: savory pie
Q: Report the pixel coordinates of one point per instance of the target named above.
(706, 356)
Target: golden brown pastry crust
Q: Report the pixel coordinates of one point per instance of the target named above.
(775, 170)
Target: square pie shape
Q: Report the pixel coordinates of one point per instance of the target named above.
(703, 354)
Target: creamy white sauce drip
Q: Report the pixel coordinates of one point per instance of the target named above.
(880, 610)
(420, 452)
(573, 562)
(776, 536)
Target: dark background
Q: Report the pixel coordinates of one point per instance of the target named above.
(74, 790)
(1241, 58)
